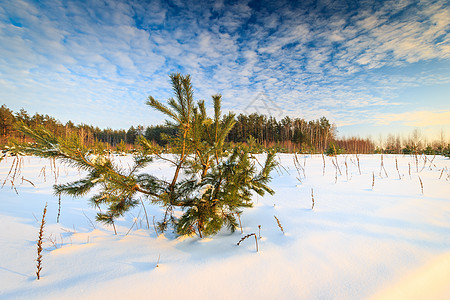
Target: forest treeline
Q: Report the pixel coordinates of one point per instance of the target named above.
(258, 131)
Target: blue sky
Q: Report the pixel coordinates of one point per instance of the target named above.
(371, 67)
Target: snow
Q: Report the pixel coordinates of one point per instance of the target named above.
(391, 242)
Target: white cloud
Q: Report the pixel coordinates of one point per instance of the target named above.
(422, 118)
(119, 52)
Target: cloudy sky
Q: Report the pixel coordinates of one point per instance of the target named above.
(371, 67)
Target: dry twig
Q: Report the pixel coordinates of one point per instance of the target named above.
(421, 184)
(240, 224)
(157, 262)
(323, 159)
(39, 245)
(279, 224)
(359, 168)
(373, 180)
(154, 226)
(396, 166)
(145, 212)
(59, 208)
(247, 236)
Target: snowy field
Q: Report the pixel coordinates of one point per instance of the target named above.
(389, 241)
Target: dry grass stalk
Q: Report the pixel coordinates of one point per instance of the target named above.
(10, 170)
(336, 171)
(56, 173)
(259, 231)
(18, 168)
(373, 180)
(323, 159)
(39, 244)
(62, 240)
(23, 179)
(157, 262)
(280, 166)
(382, 167)
(334, 164)
(90, 221)
(43, 173)
(304, 166)
(396, 166)
(409, 170)
(312, 198)
(240, 224)
(279, 224)
(346, 168)
(114, 226)
(337, 165)
(417, 162)
(14, 187)
(59, 209)
(442, 171)
(299, 167)
(424, 163)
(145, 212)
(359, 168)
(134, 223)
(37, 221)
(247, 236)
(431, 161)
(296, 162)
(421, 184)
(299, 177)
(154, 226)
(54, 169)
(278, 172)
(53, 241)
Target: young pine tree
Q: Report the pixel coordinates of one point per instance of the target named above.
(216, 184)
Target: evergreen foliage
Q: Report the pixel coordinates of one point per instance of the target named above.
(210, 184)
(333, 150)
(255, 130)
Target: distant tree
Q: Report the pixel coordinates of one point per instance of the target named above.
(132, 134)
(121, 147)
(6, 121)
(160, 134)
(23, 116)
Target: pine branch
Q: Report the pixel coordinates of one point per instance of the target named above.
(162, 108)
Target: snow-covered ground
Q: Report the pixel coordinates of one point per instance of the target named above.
(391, 241)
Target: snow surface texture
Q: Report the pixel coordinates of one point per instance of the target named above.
(391, 241)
